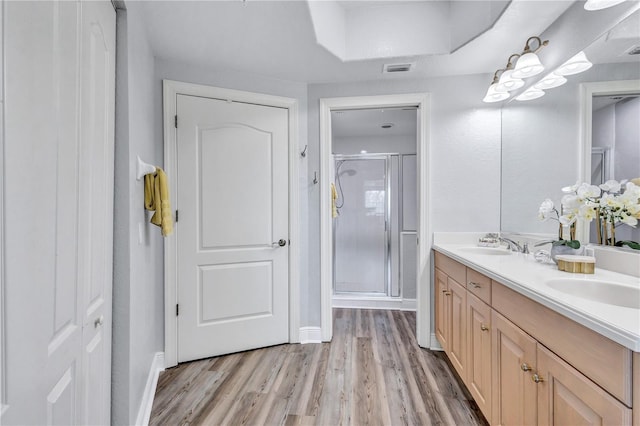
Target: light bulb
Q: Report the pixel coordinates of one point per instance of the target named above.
(530, 94)
(508, 83)
(550, 81)
(494, 95)
(575, 65)
(528, 65)
(600, 4)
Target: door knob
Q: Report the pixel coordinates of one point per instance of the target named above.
(280, 243)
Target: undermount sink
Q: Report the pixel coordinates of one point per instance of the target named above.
(491, 251)
(599, 291)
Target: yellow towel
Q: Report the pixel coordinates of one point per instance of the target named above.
(334, 198)
(156, 198)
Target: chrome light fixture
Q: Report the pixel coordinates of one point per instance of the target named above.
(575, 65)
(529, 64)
(600, 4)
(550, 81)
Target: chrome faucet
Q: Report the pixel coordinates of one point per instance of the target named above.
(515, 246)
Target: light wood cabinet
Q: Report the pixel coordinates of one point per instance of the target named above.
(567, 397)
(478, 378)
(513, 361)
(525, 364)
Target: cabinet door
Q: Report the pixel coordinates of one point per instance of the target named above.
(442, 311)
(479, 353)
(514, 395)
(566, 397)
(457, 296)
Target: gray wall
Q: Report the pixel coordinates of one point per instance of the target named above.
(464, 164)
(138, 297)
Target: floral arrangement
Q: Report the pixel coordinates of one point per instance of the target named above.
(610, 204)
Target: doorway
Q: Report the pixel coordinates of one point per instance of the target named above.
(420, 102)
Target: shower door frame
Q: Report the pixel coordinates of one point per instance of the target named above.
(387, 223)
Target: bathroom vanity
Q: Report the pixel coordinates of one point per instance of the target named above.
(531, 345)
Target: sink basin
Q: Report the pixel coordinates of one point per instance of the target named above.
(491, 251)
(599, 291)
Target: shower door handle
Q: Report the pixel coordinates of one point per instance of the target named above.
(280, 243)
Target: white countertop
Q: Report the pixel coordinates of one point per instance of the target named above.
(523, 274)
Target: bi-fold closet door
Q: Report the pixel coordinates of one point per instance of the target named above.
(59, 59)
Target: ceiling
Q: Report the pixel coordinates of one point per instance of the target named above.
(276, 39)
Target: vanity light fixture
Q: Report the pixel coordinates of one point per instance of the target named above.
(507, 82)
(529, 94)
(493, 94)
(575, 65)
(600, 4)
(528, 63)
(550, 81)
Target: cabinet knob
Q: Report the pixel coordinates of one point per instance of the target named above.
(475, 285)
(447, 293)
(484, 327)
(525, 367)
(537, 378)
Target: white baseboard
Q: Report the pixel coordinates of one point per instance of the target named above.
(310, 335)
(435, 344)
(392, 303)
(144, 412)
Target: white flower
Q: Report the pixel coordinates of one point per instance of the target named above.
(587, 212)
(611, 186)
(571, 189)
(589, 191)
(570, 202)
(629, 220)
(609, 201)
(545, 210)
(568, 219)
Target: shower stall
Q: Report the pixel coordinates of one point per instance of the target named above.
(373, 238)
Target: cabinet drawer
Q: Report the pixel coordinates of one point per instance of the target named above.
(600, 359)
(455, 270)
(479, 285)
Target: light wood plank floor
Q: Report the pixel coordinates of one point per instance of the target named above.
(372, 373)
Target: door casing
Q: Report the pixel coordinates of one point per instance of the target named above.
(423, 284)
(170, 90)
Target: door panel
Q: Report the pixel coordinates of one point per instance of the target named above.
(60, 78)
(233, 201)
(479, 352)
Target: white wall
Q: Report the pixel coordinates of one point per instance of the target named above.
(386, 144)
(138, 296)
(464, 163)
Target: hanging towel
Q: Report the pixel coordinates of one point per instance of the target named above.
(334, 198)
(156, 198)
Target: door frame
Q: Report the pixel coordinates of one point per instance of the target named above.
(424, 234)
(587, 92)
(171, 89)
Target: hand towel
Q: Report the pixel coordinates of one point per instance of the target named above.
(334, 198)
(156, 198)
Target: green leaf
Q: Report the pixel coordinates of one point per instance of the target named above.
(574, 244)
(631, 244)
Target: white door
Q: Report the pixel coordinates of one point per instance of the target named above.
(58, 177)
(232, 234)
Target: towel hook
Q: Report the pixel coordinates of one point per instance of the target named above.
(143, 168)
(304, 151)
(315, 178)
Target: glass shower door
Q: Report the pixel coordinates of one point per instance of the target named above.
(360, 231)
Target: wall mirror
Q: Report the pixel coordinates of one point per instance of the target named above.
(547, 142)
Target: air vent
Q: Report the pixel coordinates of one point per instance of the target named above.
(398, 68)
(635, 50)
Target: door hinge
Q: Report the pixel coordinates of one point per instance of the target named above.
(176, 121)
(176, 216)
(177, 309)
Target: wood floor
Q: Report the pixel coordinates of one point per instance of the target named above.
(372, 373)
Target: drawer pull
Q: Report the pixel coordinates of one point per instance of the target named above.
(537, 378)
(525, 367)
(475, 285)
(484, 327)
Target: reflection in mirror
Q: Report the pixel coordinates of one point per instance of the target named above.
(542, 145)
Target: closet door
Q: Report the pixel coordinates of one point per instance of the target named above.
(58, 180)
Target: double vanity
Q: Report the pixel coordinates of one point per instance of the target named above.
(535, 345)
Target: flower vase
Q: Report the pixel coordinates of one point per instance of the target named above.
(562, 249)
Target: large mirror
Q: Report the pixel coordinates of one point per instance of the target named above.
(543, 140)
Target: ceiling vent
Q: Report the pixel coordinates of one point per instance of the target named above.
(398, 68)
(635, 50)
